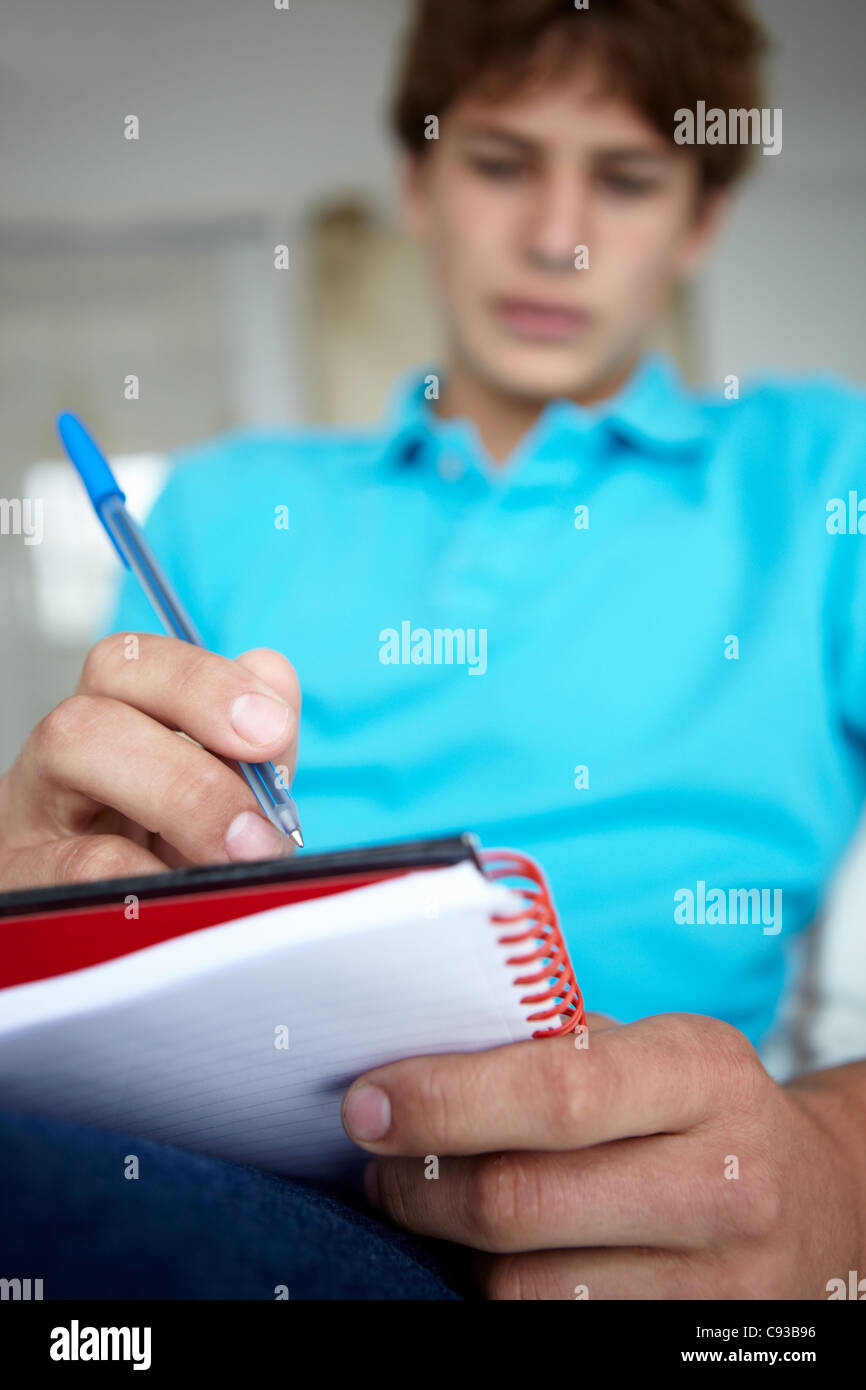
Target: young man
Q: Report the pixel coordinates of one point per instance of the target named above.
(671, 698)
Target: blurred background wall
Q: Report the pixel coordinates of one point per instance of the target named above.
(260, 127)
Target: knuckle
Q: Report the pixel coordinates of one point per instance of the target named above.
(493, 1201)
(195, 665)
(727, 1040)
(93, 857)
(738, 1065)
(760, 1206)
(524, 1199)
(102, 656)
(199, 789)
(440, 1103)
(729, 1066)
(504, 1280)
(67, 722)
(693, 1032)
(573, 1077)
(393, 1191)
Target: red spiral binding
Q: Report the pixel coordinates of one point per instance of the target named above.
(543, 927)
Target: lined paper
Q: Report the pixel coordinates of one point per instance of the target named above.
(178, 1042)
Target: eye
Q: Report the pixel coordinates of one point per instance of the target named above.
(628, 186)
(492, 168)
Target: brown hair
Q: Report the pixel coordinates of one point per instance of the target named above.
(662, 55)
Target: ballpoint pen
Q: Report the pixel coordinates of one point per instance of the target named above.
(109, 503)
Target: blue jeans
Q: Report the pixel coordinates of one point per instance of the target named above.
(194, 1227)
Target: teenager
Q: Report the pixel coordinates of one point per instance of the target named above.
(663, 690)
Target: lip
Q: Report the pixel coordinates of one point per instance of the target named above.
(534, 318)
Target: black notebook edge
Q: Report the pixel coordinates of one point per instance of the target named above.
(203, 878)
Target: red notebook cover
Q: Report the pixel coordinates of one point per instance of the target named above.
(46, 933)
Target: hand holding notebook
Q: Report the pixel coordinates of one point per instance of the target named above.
(230, 1015)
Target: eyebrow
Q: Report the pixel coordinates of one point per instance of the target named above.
(634, 155)
(507, 137)
(619, 154)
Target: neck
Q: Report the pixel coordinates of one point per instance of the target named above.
(502, 418)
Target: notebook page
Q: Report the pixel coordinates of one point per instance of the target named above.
(240, 1040)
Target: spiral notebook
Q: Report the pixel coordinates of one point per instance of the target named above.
(227, 1010)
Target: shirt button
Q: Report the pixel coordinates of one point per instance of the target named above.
(450, 467)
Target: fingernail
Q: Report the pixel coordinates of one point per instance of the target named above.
(371, 1183)
(258, 718)
(367, 1114)
(252, 837)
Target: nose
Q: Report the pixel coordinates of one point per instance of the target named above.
(556, 221)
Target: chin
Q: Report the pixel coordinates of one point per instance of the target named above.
(537, 372)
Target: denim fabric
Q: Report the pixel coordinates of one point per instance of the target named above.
(193, 1227)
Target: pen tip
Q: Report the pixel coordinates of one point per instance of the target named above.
(286, 816)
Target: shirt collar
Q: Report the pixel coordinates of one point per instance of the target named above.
(653, 412)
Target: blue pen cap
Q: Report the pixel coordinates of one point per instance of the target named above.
(90, 463)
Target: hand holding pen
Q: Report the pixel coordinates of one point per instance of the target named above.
(264, 779)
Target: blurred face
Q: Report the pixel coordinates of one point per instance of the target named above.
(504, 200)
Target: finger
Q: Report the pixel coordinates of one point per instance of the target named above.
(92, 752)
(599, 1023)
(279, 674)
(77, 859)
(667, 1191)
(224, 705)
(577, 1275)
(662, 1074)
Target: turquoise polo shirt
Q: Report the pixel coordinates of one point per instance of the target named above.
(637, 652)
